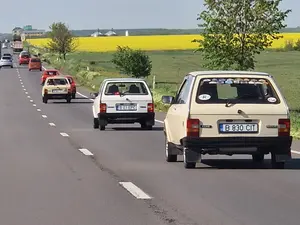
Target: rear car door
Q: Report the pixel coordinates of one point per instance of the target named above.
(179, 111)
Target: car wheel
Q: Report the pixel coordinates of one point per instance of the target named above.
(258, 157)
(73, 95)
(29, 69)
(12, 67)
(40, 69)
(45, 100)
(276, 164)
(69, 99)
(187, 164)
(102, 127)
(96, 123)
(169, 157)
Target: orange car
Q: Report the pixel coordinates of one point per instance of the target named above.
(35, 64)
(73, 85)
(48, 73)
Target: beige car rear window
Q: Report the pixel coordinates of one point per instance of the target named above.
(236, 90)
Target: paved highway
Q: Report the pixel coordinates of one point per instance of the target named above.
(56, 169)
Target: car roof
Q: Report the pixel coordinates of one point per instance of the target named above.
(225, 72)
(122, 79)
(56, 77)
(52, 70)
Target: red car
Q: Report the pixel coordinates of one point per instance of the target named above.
(48, 73)
(24, 59)
(73, 85)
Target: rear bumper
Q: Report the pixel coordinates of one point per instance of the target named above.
(57, 96)
(149, 118)
(239, 145)
(24, 61)
(6, 64)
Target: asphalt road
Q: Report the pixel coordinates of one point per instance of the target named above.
(56, 169)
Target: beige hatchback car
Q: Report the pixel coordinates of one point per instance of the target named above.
(227, 113)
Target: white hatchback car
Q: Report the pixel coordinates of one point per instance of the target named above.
(123, 101)
(6, 61)
(227, 113)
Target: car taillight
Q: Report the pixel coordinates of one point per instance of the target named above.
(150, 107)
(102, 107)
(284, 127)
(192, 127)
(45, 91)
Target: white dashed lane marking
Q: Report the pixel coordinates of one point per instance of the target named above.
(31, 100)
(44, 116)
(28, 96)
(34, 105)
(85, 151)
(26, 93)
(52, 124)
(38, 110)
(134, 190)
(64, 134)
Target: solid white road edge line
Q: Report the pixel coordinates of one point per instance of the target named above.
(64, 134)
(44, 116)
(134, 190)
(85, 151)
(52, 124)
(295, 152)
(82, 95)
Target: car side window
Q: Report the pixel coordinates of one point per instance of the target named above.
(183, 94)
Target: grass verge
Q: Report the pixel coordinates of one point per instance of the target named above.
(169, 67)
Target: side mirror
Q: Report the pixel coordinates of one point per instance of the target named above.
(167, 99)
(94, 95)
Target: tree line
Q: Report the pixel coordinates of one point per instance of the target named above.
(233, 33)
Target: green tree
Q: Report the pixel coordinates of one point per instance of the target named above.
(132, 62)
(61, 39)
(235, 31)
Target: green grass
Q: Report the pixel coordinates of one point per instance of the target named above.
(169, 68)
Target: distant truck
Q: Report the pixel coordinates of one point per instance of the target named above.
(17, 46)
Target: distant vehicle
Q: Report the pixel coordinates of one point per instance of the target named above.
(4, 46)
(123, 100)
(35, 64)
(227, 113)
(6, 61)
(17, 46)
(73, 85)
(24, 59)
(57, 87)
(48, 73)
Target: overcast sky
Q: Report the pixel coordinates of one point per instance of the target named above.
(106, 14)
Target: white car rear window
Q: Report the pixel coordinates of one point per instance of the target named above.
(126, 88)
(236, 90)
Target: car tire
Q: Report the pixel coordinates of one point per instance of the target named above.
(259, 158)
(144, 126)
(187, 165)
(73, 95)
(29, 69)
(169, 157)
(69, 98)
(40, 69)
(96, 123)
(45, 99)
(276, 164)
(102, 127)
(12, 67)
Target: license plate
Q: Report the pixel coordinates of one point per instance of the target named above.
(238, 128)
(57, 91)
(126, 107)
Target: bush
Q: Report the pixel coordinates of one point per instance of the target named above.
(132, 62)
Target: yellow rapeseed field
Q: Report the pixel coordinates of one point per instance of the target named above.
(158, 42)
